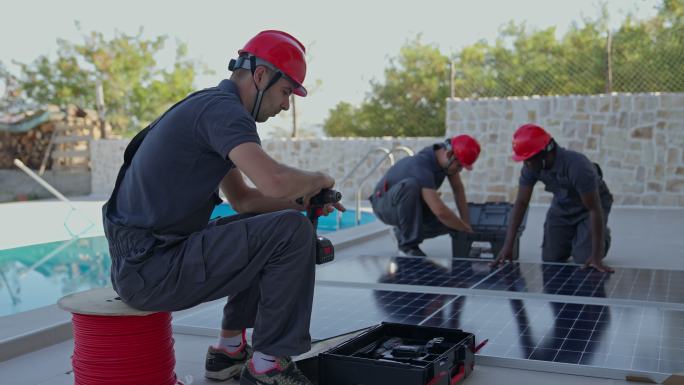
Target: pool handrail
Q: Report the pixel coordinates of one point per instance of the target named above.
(357, 194)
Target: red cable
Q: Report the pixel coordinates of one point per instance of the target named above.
(123, 350)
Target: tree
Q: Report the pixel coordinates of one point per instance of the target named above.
(136, 88)
(645, 56)
(410, 102)
(649, 55)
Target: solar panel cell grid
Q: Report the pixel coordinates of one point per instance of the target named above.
(619, 337)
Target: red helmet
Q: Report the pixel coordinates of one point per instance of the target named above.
(283, 51)
(528, 140)
(466, 149)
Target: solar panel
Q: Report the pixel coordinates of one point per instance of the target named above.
(338, 311)
(406, 271)
(467, 276)
(644, 339)
(561, 279)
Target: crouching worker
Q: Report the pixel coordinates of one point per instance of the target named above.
(576, 222)
(406, 197)
(167, 256)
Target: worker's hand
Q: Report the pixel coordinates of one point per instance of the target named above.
(461, 225)
(597, 263)
(330, 207)
(506, 254)
(326, 180)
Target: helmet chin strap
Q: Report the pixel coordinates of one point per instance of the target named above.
(241, 62)
(548, 148)
(452, 159)
(447, 147)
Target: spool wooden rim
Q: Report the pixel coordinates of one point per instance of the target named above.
(102, 301)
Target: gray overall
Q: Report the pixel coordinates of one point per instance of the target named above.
(397, 199)
(567, 229)
(264, 264)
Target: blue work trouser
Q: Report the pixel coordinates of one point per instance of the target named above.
(264, 264)
(403, 207)
(571, 236)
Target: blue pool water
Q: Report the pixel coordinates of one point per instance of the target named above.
(38, 275)
(326, 224)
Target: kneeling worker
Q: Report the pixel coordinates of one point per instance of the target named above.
(576, 222)
(407, 198)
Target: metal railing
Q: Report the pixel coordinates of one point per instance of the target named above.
(387, 155)
(370, 152)
(405, 149)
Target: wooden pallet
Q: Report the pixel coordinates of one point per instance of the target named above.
(70, 146)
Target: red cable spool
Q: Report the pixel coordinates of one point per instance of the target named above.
(115, 344)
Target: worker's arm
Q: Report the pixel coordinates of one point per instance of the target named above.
(245, 199)
(460, 197)
(522, 201)
(276, 180)
(591, 201)
(442, 212)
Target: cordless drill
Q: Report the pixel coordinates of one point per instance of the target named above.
(325, 252)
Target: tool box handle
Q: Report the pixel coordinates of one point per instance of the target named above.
(458, 376)
(453, 380)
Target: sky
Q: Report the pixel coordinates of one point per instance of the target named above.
(349, 43)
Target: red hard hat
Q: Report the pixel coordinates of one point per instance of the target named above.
(528, 140)
(466, 149)
(283, 51)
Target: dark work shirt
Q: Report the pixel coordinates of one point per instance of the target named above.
(422, 167)
(571, 175)
(172, 182)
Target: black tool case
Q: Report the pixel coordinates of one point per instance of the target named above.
(489, 222)
(397, 354)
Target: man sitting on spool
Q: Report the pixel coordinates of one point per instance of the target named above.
(167, 256)
(576, 222)
(407, 198)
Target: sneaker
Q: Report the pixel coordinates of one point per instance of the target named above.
(285, 373)
(221, 365)
(411, 251)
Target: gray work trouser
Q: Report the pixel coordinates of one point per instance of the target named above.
(264, 263)
(402, 206)
(571, 236)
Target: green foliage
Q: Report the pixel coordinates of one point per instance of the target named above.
(410, 102)
(136, 88)
(644, 56)
(649, 56)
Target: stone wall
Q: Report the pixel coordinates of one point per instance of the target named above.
(334, 156)
(16, 185)
(638, 139)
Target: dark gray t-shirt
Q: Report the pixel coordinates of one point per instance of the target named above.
(422, 167)
(172, 183)
(571, 175)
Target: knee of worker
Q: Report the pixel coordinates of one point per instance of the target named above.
(553, 253)
(293, 223)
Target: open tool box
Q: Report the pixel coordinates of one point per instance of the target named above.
(490, 223)
(397, 354)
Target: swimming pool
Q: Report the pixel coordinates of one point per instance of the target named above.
(325, 224)
(38, 275)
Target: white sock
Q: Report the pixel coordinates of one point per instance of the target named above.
(263, 362)
(230, 344)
